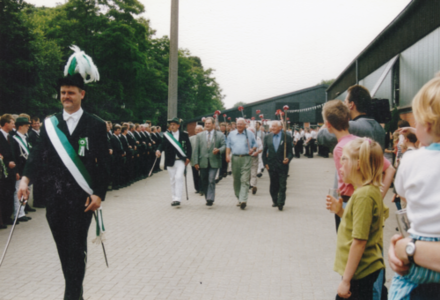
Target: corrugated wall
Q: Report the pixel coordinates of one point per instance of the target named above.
(385, 90)
(418, 64)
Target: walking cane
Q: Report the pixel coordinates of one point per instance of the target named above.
(186, 185)
(149, 174)
(22, 202)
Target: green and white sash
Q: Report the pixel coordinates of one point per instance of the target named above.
(23, 146)
(68, 155)
(175, 143)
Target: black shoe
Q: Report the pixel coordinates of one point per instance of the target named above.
(280, 207)
(229, 173)
(23, 219)
(3, 226)
(29, 209)
(250, 187)
(254, 190)
(259, 175)
(274, 205)
(217, 180)
(202, 194)
(243, 205)
(197, 192)
(209, 202)
(175, 203)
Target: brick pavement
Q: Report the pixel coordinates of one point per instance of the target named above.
(194, 252)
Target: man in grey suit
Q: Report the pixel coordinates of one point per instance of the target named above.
(210, 144)
(195, 172)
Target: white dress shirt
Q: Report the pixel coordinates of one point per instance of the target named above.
(37, 131)
(72, 119)
(5, 134)
(23, 137)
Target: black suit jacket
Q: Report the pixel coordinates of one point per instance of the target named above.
(171, 152)
(44, 162)
(118, 149)
(275, 159)
(19, 160)
(33, 137)
(6, 152)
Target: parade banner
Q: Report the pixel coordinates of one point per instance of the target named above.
(68, 155)
(175, 143)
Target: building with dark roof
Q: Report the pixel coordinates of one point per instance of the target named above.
(302, 99)
(399, 61)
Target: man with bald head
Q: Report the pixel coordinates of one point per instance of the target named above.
(241, 144)
(277, 163)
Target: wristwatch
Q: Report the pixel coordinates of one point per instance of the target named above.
(411, 250)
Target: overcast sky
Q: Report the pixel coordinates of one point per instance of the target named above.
(265, 48)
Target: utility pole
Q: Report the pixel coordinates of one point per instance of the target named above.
(173, 67)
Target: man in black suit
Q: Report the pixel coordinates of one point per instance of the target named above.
(71, 198)
(178, 153)
(128, 166)
(33, 138)
(7, 183)
(277, 163)
(118, 158)
(20, 151)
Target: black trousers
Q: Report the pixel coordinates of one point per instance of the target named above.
(298, 148)
(429, 291)
(7, 189)
(362, 289)
(278, 184)
(69, 225)
(224, 168)
(311, 147)
(196, 179)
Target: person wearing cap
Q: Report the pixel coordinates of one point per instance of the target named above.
(207, 157)
(70, 157)
(241, 144)
(178, 153)
(20, 151)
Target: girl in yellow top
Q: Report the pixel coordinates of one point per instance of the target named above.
(360, 236)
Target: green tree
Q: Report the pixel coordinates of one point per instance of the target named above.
(240, 103)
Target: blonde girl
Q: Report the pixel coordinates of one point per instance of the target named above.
(359, 246)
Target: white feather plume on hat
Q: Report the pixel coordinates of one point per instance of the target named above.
(81, 63)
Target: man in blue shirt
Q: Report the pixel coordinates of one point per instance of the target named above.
(240, 145)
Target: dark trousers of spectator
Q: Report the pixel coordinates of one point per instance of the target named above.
(306, 147)
(69, 225)
(278, 184)
(362, 289)
(429, 291)
(7, 189)
(196, 178)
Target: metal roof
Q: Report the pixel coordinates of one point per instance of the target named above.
(418, 19)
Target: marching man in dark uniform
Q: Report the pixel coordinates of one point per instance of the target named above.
(70, 157)
(178, 152)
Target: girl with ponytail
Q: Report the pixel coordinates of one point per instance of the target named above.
(360, 236)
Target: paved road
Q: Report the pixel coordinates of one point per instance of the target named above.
(194, 252)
